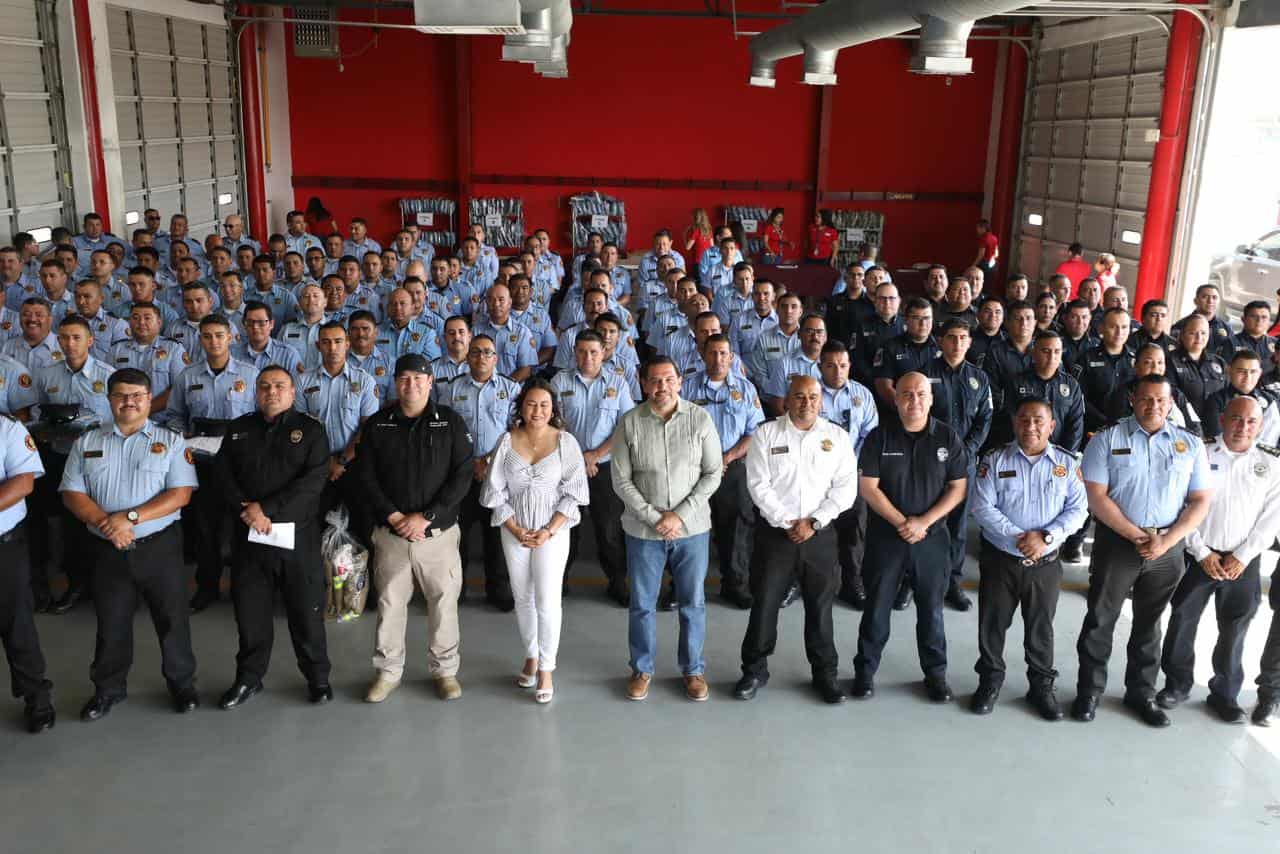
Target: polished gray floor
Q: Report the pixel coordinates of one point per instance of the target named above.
(593, 772)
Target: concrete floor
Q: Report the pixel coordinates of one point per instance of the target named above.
(593, 772)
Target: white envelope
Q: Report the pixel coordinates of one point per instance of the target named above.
(281, 536)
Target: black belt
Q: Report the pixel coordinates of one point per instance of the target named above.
(1048, 557)
(13, 534)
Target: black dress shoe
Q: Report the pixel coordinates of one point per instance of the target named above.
(98, 707)
(903, 598)
(792, 594)
(318, 695)
(737, 597)
(1044, 701)
(39, 716)
(68, 600)
(1072, 553)
(829, 690)
(957, 599)
(748, 686)
(854, 593)
(186, 701)
(238, 694)
(500, 598)
(938, 691)
(1085, 707)
(864, 686)
(1170, 698)
(667, 599)
(1227, 710)
(984, 699)
(1264, 710)
(1147, 710)
(619, 593)
(203, 599)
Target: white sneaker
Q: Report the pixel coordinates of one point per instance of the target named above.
(380, 690)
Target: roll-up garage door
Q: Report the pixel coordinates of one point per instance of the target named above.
(1093, 125)
(177, 116)
(36, 191)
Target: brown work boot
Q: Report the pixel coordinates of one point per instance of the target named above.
(695, 688)
(638, 686)
(380, 689)
(448, 688)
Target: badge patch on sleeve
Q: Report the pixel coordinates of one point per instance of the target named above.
(30, 443)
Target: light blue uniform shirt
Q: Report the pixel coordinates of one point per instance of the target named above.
(17, 388)
(591, 409)
(728, 303)
(852, 407)
(199, 393)
(1147, 476)
(10, 323)
(124, 472)
(15, 295)
(516, 346)
(187, 333)
(85, 247)
(106, 331)
(415, 337)
(366, 299)
(17, 456)
(445, 303)
(163, 360)
(782, 370)
(303, 338)
(282, 303)
(537, 321)
(42, 355)
(302, 243)
(476, 278)
(746, 327)
(624, 364)
(339, 403)
(378, 366)
(275, 353)
(487, 408)
(710, 258)
(242, 240)
(359, 250)
(1013, 494)
(772, 345)
(87, 387)
(168, 316)
(718, 277)
(734, 406)
(445, 370)
(648, 267)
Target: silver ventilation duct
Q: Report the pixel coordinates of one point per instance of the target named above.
(467, 17)
(545, 39)
(838, 24)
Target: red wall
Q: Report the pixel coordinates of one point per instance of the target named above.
(647, 98)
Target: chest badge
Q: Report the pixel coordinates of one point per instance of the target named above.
(611, 392)
(56, 355)
(295, 437)
(162, 354)
(973, 383)
(1059, 471)
(943, 454)
(736, 395)
(1217, 369)
(1260, 469)
(238, 387)
(379, 371)
(826, 445)
(1064, 389)
(1180, 446)
(982, 470)
(99, 387)
(159, 447)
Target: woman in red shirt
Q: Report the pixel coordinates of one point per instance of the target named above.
(774, 239)
(699, 236)
(319, 221)
(822, 240)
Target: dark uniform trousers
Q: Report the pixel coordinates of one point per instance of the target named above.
(775, 563)
(926, 563)
(256, 571)
(851, 541)
(1115, 570)
(46, 506)
(1269, 677)
(605, 511)
(1235, 603)
(17, 618)
(1004, 585)
(495, 563)
(733, 521)
(209, 525)
(153, 570)
(958, 529)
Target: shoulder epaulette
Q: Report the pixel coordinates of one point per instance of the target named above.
(1269, 449)
(1075, 455)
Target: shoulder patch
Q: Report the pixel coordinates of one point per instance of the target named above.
(1268, 449)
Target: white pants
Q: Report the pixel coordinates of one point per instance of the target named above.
(537, 576)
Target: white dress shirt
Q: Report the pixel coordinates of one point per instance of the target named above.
(1244, 515)
(801, 474)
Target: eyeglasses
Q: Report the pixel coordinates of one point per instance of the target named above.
(487, 354)
(132, 397)
(257, 323)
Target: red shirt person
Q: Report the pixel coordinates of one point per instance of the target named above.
(1075, 268)
(988, 248)
(822, 240)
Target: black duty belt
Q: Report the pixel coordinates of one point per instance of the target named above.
(215, 427)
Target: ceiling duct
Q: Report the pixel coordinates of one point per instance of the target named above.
(838, 24)
(545, 39)
(468, 17)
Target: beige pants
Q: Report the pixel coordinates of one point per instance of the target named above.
(435, 564)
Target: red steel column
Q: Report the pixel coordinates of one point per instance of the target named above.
(462, 115)
(1166, 167)
(251, 128)
(1008, 152)
(92, 120)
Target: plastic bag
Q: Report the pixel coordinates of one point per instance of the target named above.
(346, 569)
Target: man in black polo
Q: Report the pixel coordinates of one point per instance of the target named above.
(910, 351)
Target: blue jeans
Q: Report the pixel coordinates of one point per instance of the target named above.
(646, 560)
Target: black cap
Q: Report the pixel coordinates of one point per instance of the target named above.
(415, 362)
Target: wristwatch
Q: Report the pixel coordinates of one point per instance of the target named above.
(132, 516)
(815, 524)
(1048, 538)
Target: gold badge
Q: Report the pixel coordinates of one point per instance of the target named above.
(355, 385)
(159, 447)
(982, 470)
(416, 336)
(826, 444)
(295, 437)
(1059, 471)
(189, 456)
(30, 443)
(56, 355)
(99, 387)
(611, 392)
(24, 380)
(735, 395)
(515, 338)
(379, 371)
(6, 326)
(1180, 446)
(162, 354)
(238, 387)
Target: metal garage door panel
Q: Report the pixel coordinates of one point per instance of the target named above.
(1096, 227)
(122, 83)
(188, 39)
(136, 203)
(201, 210)
(1047, 66)
(224, 120)
(217, 39)
(28, 122)
(195, 118)
(21, 70)
(1033, 206)
(191, 82)
(127, 120)
(159, 120)
(1073, 101)
(1059, 222)
(1044, 103)
(118, 28)
(1150, 52)
(155, 78)
(1114, 57)
(131, 166)
(1064, 181)
(1068, 140)
(168, 202)
(162, 164)
(197, 161)
(1127, 222)
(35, 179)
(1040, 142)
(4, 185)
(219, 81)
(1036, 178)
(1146, 97)
(1135, 184)
(1109, 98)
(1077, 62)
(17, 18)
(228, 187)
(1098, 186)
(1030, 254)
(225, 162)
(1106, 140)
(150, 33)
(1136, 146)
